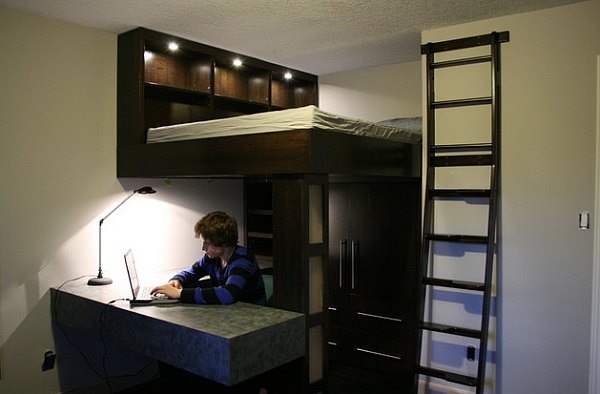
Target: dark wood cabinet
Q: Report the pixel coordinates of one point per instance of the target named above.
(161, 85)
(373, 238)
(373, 254)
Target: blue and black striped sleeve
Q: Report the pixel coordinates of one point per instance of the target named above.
(238, 275)
(192, 274)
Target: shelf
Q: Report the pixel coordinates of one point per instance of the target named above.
(254, 234)
(259, 218)
(166, 105)
(242, 82)
(260, 211)
(291, 93)
(158, 86)
(177, 70)
(225, 107)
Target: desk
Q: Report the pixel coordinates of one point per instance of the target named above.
(225, 343)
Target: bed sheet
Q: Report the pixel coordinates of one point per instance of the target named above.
(309, 117)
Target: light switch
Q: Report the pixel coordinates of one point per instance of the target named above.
(584, 220)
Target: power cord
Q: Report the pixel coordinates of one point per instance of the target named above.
(64, 332)
(103, 374)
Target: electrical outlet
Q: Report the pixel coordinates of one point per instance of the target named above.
(49, 360)
(471, 352)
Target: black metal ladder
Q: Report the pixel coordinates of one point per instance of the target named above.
(455, 156)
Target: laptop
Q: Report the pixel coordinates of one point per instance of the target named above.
(140, 295)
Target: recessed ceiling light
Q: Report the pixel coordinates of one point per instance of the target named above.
(173, 46)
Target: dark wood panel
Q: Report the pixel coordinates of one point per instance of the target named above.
(180, 72)
(286, 152)
(292, 94)
(243, 83)
(289, 247)
(130, 90)
(241, 155)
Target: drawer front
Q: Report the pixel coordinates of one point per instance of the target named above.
(392, 344)
(361, 350)
(374, 315)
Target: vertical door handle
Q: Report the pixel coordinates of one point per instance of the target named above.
(354, 258)
(343, 244)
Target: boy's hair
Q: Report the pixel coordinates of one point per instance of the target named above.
(218, 228)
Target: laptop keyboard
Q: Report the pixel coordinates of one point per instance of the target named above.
(145, 292)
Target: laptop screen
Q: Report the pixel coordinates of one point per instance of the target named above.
(134, 282)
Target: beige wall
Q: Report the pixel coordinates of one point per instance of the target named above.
(374, 93)
(57, 179)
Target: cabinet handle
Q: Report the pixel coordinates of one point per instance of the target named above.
(354, 256)
(330, 343)
(380, 317)
(332, 308)
(378, 354)
(343, 244)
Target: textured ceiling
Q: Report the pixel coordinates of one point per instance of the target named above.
(317, 36)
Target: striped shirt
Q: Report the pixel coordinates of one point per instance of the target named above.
(240, 280)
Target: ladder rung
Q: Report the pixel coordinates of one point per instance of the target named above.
(463, 61)
(463, 160)
(447, 329)
(448, 376)
(461, 193)
(462, 102)
(461, 147)
(469, 239)
(468, 42)
(455, 284)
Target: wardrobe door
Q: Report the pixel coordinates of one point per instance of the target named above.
(373, 230)
(377, 245)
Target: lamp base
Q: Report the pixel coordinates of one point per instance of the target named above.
(99, 281)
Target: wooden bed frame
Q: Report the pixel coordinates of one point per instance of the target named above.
(286, 152)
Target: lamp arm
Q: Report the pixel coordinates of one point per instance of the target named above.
(117, 207)
(100, 276)
(100, 280)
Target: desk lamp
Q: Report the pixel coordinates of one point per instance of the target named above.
(100, 279)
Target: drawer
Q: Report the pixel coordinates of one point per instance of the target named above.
(374, 315)
(394, 345)
(357, 349)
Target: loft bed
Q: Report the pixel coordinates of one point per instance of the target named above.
(287, 170)
(302, 140)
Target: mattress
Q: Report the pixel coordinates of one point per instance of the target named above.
(303, 118)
